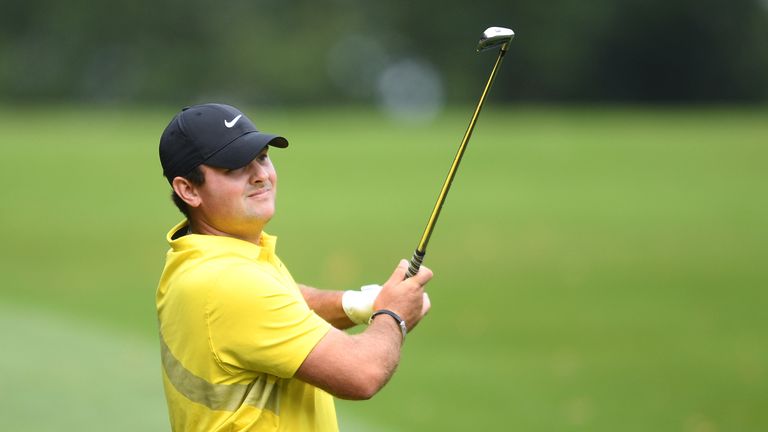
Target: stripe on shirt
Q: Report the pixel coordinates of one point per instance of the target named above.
(261, 393)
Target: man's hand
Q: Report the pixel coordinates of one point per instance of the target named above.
(405, 297)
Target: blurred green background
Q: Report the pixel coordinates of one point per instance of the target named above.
(600, 264)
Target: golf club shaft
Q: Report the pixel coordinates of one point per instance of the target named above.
(421, 249)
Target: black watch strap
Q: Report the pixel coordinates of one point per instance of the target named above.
(394, 316)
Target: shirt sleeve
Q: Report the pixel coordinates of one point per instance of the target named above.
(257, 322)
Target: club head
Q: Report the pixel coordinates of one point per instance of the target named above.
(493, 37)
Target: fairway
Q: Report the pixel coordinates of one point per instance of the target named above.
(596, 269)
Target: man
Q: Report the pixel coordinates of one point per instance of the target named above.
(245, 348)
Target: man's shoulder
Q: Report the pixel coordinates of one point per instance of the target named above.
(241, 274)
(227, 268)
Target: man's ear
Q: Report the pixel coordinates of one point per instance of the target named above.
(186, 191)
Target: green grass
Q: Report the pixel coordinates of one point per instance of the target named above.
(597, 269)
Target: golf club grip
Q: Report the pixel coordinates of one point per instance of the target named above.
(415, 264)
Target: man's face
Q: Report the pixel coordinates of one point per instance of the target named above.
(239, 202)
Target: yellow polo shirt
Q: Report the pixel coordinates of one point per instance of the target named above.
(234, 328)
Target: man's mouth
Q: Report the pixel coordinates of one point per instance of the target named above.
(260, 192)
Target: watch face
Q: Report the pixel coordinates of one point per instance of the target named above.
(403, 328)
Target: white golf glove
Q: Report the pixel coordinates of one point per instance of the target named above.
(358, 305)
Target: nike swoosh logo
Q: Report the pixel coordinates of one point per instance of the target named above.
(231, 123)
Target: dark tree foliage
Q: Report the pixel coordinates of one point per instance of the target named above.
(329, 51)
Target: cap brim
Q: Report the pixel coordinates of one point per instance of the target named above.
(244, 149)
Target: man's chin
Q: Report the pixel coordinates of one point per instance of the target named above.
(263, 216)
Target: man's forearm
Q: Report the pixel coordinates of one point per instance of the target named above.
(354, 366)
(327, 304)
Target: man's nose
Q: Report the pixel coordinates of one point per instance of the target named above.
(257, 171)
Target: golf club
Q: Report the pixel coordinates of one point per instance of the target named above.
(491, 38)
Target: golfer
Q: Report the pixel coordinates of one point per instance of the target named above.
(243, 346)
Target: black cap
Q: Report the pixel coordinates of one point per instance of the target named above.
(213, 134)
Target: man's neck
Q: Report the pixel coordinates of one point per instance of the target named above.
(202, 227)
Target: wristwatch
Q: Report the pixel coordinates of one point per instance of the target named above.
(396, 317)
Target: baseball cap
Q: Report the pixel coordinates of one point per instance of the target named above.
(213, 134)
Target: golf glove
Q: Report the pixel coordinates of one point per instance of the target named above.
(358, 305)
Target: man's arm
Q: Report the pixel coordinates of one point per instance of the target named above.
(358, 366)
(327, 304)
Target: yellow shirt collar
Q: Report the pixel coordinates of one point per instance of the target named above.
(265, 248)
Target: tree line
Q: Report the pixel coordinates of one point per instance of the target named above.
(301, 51)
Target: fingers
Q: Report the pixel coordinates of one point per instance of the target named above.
(423, 276)
(399, 273)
